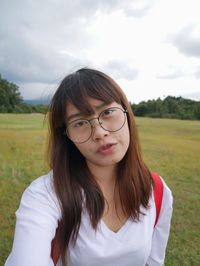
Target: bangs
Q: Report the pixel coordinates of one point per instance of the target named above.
(90, 84)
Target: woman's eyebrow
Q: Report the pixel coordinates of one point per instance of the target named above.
(73, 116)
(97, 107)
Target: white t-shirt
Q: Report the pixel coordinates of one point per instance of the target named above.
(135, 244)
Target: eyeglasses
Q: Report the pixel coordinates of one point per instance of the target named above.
(111, 119)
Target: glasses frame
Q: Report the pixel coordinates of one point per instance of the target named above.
(100, 123)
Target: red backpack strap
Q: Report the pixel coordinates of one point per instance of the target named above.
(54, 252)
(158, 194)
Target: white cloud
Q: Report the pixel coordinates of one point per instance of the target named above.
(120, 69)
(170, 72)
(187, 40)
(197, 72)
(42, 41)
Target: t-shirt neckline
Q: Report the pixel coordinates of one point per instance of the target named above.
(117, 234)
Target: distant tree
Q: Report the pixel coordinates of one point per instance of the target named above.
(170, 107)
(197, 110)
(159, 107)
(26, 108)
(9, 96)
(39, 109)
(151, 106)
(141, 109)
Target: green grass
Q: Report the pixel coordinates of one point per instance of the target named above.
(170, 148)
(22, 147)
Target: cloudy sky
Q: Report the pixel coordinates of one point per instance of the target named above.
(150, 47)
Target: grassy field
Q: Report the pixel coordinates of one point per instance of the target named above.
(170, 148)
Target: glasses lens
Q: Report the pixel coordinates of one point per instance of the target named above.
(79, 130)
(112, 119)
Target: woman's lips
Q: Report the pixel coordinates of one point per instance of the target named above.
(106, 148)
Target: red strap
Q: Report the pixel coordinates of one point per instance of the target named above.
(55, 256)
(158, 194)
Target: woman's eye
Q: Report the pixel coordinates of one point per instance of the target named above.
(81, 123)
(108, 112)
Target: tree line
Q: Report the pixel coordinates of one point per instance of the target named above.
(11, 101)
(170, 107)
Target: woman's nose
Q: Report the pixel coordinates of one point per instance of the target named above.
(97, 130)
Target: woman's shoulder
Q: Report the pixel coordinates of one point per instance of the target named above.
(166, 200)
(36, 221)
(40, 193)
(167, 193)
(42, 182)
(42, 185)
(161, 189)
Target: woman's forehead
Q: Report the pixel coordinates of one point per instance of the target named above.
(86, 106)
(93, 105)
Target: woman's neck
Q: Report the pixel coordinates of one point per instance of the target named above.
(104, 175)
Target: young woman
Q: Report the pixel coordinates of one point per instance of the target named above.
(100, 194)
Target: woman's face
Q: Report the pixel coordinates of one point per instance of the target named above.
(103, 148)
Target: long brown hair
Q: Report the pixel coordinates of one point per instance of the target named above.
(70, 172)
